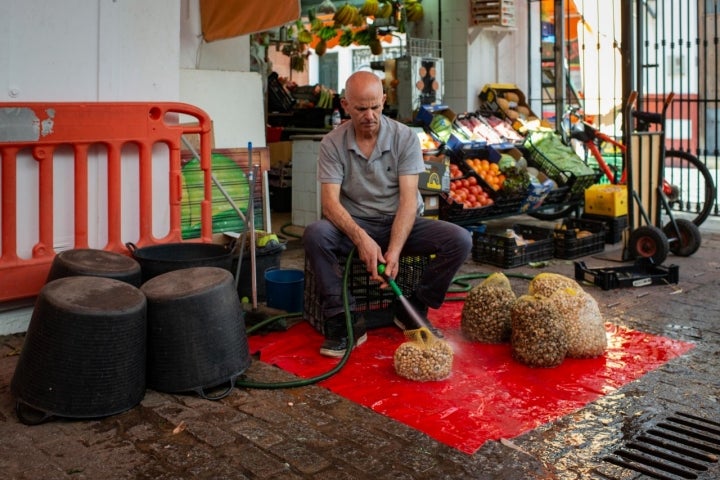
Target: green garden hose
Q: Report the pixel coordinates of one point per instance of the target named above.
(288, 234)
(460, 288)
(331, 372)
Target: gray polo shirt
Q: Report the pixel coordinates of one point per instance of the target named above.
(369, 187)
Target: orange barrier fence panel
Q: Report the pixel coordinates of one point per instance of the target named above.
(41, 130)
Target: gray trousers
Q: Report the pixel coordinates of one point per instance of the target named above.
(324, 245)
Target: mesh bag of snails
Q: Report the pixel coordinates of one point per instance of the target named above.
(584, 324)
(423, 357)
(539, 335)
(486, 311)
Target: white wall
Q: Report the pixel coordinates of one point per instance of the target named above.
(233, 100)
(81, 50)
(228, 54)
(84, 51)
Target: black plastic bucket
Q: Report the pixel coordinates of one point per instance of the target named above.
(85, 351)
(95, 263)
(196, 332)
(155, 260)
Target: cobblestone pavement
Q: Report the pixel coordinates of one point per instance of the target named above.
(311, 433)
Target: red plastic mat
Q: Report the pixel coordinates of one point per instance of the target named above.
(488, 396)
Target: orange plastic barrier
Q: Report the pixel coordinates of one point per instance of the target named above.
(42, 128)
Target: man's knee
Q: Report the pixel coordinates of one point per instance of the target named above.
(315, 231)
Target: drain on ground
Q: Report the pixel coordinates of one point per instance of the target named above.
(679, 446)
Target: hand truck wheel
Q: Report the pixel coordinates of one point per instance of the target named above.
(648, 242)
(689, 239)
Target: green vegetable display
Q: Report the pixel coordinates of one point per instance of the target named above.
(441, 126)
(517, 178)
(556, 158)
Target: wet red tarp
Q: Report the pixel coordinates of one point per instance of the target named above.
(488, 396)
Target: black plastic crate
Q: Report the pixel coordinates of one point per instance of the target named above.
(509, 204)
(541, 154)
(614, 226)
(505, 203)
(456, 213)
(460, 157)
(279, 98)
(556, 196)
(569, 244)
(374, 303)
(641, 274)
(502, 250)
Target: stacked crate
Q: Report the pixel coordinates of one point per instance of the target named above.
(492, 13)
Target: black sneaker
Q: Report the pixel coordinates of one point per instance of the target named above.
(336, 341)
(406, 322)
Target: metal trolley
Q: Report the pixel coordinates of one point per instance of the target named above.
(648, 238)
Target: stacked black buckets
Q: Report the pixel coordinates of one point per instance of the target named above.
(107, 326)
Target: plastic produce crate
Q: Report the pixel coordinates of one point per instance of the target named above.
(502, 250)
(374, 303)
(641, 274)
(569, 245)
(545, 149)
(455, 213)
(506, 203)
(614, 226)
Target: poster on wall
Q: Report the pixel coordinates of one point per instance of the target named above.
(428, 75)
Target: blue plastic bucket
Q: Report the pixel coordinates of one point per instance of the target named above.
(284, 289)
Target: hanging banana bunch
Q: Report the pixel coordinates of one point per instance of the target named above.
(325, 34)
(346, 39)
(375, 46)
(385, 9)
(369, 8)
(345, 15)
(363, 37)
(414, 11)
(304, 36)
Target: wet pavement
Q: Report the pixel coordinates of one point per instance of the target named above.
(312, 433)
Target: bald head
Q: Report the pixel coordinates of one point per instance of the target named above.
(363, 101)
(363, 84)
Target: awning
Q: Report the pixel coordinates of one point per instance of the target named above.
(231, 18)
(571, 15)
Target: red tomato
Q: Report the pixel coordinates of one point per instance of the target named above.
(465, 182)
(472, 180)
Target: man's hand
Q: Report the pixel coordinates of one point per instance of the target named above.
(371, 255)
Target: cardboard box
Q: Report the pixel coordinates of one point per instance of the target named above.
(517, 111)
(431, 204)
(436, 177)
(280, 154)
(607, 200)
(425, 117)
(496, 152)
(537, 192)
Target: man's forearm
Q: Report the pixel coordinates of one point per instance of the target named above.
(339, 216)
